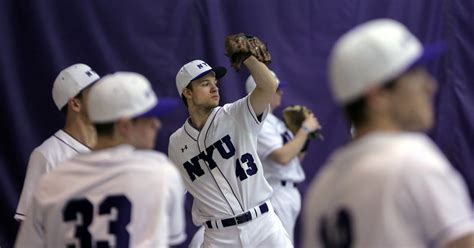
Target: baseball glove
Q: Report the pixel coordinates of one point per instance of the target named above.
(239, 47)
(294, 116)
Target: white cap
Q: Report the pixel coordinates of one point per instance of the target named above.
(371, 54)
(125, 95)
(250, 83)
(194, 70)
(70, 82)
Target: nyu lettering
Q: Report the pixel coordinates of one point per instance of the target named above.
(225, 148)
(201, 65)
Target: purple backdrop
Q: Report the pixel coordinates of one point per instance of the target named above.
(39, 38)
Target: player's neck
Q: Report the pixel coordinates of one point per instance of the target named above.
(199, 117)
(81, 131)
(105, 142)
(378, 125)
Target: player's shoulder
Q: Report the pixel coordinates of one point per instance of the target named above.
(58, 147)
(151, 155)
(49, 152)
(241, 102)
(154, 160)
(178, 134)
(272, 121)
(421, 151)
(49, 145)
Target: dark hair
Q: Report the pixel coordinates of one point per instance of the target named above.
(105, 129)
(189, 86)
(356, 111)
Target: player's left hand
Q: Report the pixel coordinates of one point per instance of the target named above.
(241, 46)
(298, 116)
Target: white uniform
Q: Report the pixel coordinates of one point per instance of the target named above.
(44, 159)
(387, 190)
(221, 169)
(286, 199)
(120, 197)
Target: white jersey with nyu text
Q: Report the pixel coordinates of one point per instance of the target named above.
(44, 159)
(387, 190)
(274, 135)
(219, 164)
(119, 196)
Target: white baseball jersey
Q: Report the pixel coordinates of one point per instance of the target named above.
(286, 199)
(119, 197)
(387, 190)
(44, 159)
(275, 135)
(219, 164)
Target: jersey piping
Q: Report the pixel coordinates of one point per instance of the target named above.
(207, 166)
(217, 166)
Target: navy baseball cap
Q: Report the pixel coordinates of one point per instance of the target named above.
(430, 53)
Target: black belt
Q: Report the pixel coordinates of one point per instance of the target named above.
(239, 219)
(284, 183)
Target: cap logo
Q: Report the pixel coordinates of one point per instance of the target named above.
(90, 73)
(201, 65)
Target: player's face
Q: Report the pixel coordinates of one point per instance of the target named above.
(276, 99)
(205, 92)
(411, 100)
(143, 132)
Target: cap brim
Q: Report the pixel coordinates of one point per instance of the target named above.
(165, 106)
(282, 84)
(430, 52)
(218, 70)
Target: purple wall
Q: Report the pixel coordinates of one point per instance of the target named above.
(39, 38)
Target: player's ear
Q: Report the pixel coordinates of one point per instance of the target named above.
(187, 92)
(123, 126)
(377, 98)
(74, 104)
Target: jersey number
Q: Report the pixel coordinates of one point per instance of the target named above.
(336, 231)
(250, 171)
(82, 211)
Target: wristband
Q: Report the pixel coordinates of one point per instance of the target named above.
(306, 129)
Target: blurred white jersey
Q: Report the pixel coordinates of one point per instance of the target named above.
(117, 197)
(286, 199)
(387, 190)
(274, 135)
(44, 159)
(222, 171)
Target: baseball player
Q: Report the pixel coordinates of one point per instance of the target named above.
(279, 151)
(122, 194)
(390, 186)
(216, 152)
(70, 89)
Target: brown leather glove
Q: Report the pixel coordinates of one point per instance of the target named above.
(241, 46)
(294, 116)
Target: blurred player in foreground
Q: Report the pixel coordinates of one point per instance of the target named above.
(122, 194)
(390, 186)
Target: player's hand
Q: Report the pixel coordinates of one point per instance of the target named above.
(311, 123)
